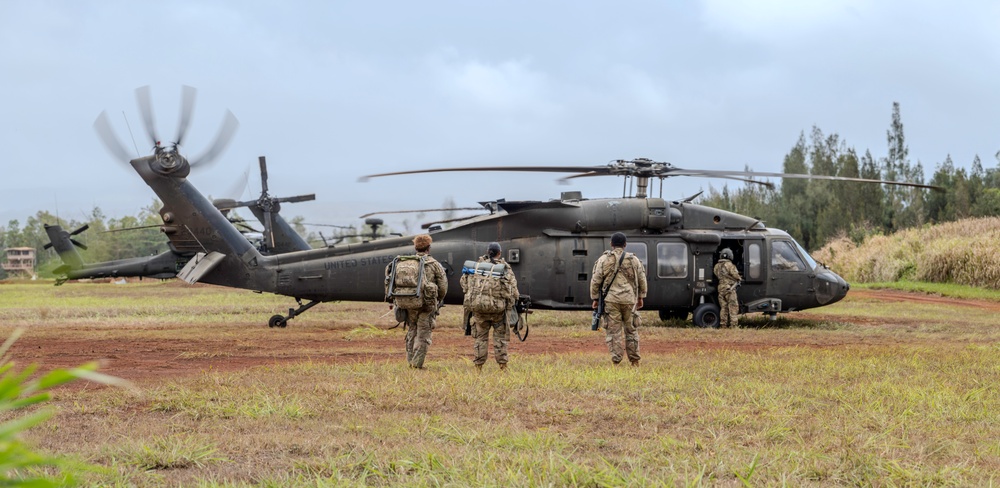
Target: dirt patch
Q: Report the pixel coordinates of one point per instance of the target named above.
(227, 347)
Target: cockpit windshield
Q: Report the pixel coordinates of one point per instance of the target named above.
(809, 260)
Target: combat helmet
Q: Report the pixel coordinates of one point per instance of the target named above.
(726, 254)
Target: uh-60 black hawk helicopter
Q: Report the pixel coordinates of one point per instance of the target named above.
(551, 245)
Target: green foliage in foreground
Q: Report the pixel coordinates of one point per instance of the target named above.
(19, 464)
(882, 415)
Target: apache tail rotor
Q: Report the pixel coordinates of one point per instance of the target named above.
(167, 157)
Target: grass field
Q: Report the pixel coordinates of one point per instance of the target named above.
(884, 388)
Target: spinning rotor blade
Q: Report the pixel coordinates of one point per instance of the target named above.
(146, 108)
(226, 132)
(81, 229)
(78, 244)
(103, 127)
(187, 108)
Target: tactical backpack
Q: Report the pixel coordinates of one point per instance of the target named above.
(487, 292)
(406, 287)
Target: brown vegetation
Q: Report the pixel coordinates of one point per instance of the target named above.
(966, 252)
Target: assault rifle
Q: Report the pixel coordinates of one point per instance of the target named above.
(521, 307)
(595, 322)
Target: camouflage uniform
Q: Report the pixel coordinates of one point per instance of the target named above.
(729, 306)
(482, 323)
(420, 321)
(619, 305)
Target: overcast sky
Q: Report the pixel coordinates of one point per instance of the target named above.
(330, 91)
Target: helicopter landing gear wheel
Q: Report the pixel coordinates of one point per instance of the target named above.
(706, 315)
(277, 321)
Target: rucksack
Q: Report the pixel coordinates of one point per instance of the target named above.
(406, 286)
(487, 292)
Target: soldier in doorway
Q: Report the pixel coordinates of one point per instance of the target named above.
(729, 279)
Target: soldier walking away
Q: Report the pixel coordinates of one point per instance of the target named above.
(729, 279)
(489, 294)
(619, 276)
(416, 285)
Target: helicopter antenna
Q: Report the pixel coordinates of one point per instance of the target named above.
(131, 134)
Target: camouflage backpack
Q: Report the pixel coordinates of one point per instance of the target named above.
(487, 293)
(405, 284)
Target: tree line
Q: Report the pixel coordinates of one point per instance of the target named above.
(816, 211)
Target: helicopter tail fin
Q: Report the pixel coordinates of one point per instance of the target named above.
(65, 245)
(194, 225)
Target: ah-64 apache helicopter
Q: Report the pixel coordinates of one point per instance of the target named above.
(551, 245)
(277, 237)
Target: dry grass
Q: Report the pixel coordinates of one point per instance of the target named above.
(965, 252)
(869, 393)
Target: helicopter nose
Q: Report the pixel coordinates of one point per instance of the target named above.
(830, 287)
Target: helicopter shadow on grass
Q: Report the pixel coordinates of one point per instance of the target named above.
(761, 322)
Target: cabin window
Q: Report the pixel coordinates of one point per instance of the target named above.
(753, 256)
(784, 257)
(639, 249)
(671, 260)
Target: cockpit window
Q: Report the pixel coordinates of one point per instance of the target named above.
(671, 260)
(785, 258)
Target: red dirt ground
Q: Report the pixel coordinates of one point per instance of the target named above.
(193, 350)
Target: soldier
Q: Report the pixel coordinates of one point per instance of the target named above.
(421, 317)
(505, 291)
(729, 279)
(622, 276)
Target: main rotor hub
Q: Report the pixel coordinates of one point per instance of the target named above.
(169, 161)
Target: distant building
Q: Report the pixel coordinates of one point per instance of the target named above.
(20, 262)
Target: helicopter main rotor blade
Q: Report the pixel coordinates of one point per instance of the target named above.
(268, 233)
(263, 174)
(457, 219)
(538, 169)
(226, 132)
(667, 172)
(146, 108)
(330, 225)
(724, 174)
(297, 198)
(419, 211)
(187, 108)
(103, 127)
